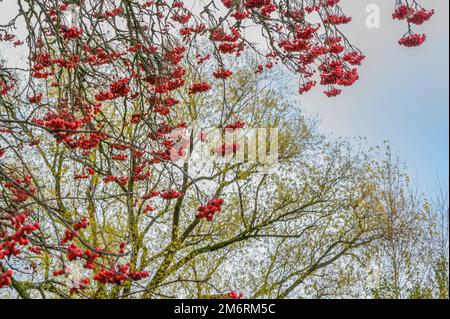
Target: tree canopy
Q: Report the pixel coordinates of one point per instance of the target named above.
(104, 193)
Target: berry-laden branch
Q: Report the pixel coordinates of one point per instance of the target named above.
(89, 126)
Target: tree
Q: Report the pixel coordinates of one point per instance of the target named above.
(97, 200)
(414, 261)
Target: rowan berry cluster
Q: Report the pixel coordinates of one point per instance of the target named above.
(119, 275)
(14, 234)
(209, 210)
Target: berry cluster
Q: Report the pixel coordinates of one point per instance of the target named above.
(6, 278)
(412, 15)
(70, 33)
(170, 195)
(111, 13)
(209, 210)
(413, 40)
(119, 275)
(234, 126)
(199, 88)
(5, 87)
(20, 189)
(119, 88)
(226, 149)
(64, 127)
(19, 237)
(235, 295)
(222, 74)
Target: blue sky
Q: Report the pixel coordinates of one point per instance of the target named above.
(403, 94)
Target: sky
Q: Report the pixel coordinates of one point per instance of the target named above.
(402, 96)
